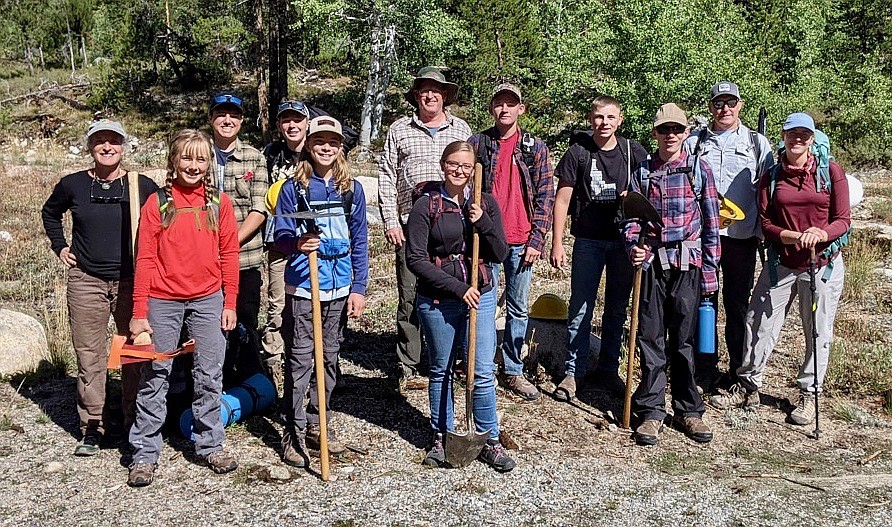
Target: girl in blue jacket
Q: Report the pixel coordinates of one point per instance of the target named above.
(321, 183)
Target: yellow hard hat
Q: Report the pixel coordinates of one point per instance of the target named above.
(549, 307)
(272, 195)
(729, 212)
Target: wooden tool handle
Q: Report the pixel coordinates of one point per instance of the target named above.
(472, 318)
(320, 365)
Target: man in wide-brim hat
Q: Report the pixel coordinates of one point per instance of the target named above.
(412, 155)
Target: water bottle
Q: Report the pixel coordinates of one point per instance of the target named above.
(706, 328)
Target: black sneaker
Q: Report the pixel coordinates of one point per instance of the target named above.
(436, 456)
(89, 445)
(494, 455)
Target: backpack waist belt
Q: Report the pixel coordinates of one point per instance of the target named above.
(684, 249)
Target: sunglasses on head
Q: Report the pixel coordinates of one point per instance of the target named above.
(730, 103)
(296, 106)
(665, 129)
(228, 99)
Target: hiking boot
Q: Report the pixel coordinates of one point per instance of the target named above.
(294, 450)
(607, 381)
(89, 445)
(648, 432)
(141, 474)
(314, 440)
(566, 390)
(407, 379)
(494, 455)
(521, 387)
(737, 397)
(436, 456)
(804, 413)
(221, 462)
(693, 427)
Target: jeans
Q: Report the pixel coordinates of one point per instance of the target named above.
(445, 327)
(590, 257)
(517, 291)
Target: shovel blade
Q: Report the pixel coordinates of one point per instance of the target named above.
(462, 449)
(635, 205)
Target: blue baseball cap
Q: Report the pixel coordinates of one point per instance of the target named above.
(799, 120)
(227, 99)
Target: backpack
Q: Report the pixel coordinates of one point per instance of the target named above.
(754, 142)
(164, 201)
(582, 136)
(821, 150)
(527, 155)
(692, 170)
(351, 136)
(436, 207)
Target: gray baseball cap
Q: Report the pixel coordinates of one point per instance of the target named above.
(724, 88)
(106, 125)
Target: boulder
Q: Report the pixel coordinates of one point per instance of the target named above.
(22, 343)
(370, 186)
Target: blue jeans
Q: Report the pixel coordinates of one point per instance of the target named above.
(590, 257)
(517, 291)
(445, 327)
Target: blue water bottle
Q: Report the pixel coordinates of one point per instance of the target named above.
(706, 328)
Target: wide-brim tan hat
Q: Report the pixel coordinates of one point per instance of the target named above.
(434, 74)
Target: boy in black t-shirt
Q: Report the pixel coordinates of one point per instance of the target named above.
(593, 176)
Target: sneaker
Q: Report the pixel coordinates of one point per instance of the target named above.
(804, 413)
(141, 474)
(521, 387)
(648, 432)
(737, 397)
(294, 450)
(693, 427)
(314, 440)
(436, 456)
(89, 445)
(494, 455)
(566, 390)
(221, 462)
(608, 381)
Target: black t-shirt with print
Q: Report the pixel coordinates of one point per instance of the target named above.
(598, 177)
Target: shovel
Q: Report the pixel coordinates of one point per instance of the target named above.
(462, 449)
(636, 206)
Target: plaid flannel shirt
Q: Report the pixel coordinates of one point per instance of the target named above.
(683, 218)
(245, 181)
(538, 183)
(412, 156)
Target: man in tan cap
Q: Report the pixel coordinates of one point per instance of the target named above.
(680, 262)
(412, 155)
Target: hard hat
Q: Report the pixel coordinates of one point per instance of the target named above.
(729, 212)
(549, 307)
(272, 195)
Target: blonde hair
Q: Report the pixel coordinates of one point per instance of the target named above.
(457, 146)
(191, 143)
(340, 171)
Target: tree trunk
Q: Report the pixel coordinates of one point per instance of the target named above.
(262, 52)
(70, 44)
(381, 57)
(278, 54)
(84, 51)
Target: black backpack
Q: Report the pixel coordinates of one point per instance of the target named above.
(484, 152)
(351, 136)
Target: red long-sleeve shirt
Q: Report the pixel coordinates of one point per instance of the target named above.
(186, 260)
(797, 205)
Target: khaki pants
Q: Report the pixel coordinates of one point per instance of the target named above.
(90, 301)
(273, 347)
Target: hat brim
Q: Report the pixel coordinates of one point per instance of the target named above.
(229, 104)
(450, 88)
(332, 130)
(673, 120)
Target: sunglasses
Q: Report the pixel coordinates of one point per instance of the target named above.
(105, 186)
(296, 106)
(674, 129)
(228, 99)
(730, 103)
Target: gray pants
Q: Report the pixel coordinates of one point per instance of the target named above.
(202, 318)
(297, 332)
(769, 306)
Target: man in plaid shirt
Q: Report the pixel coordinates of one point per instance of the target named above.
(680, 267)
(412, 155)
(517, 172)
(241, 173)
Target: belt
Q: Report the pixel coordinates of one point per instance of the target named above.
(684, 256)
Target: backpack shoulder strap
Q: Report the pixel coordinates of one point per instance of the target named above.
(163, 200)
(527, 142)
(347, 203)
(701, 137)
(772, 183)
(644, 169)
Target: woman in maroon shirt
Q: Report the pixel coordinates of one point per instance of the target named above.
(799, 212)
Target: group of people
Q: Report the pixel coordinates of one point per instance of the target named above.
(228, 212)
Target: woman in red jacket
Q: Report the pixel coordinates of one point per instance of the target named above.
(802, 208)
(187, 271)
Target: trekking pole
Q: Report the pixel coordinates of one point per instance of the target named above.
(812, 264)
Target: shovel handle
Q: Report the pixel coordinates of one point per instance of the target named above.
(320, 366)
(633, 334)
(472, 317)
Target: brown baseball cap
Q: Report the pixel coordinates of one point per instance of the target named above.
(670, 113)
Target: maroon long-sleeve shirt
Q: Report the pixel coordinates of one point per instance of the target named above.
(798, 205)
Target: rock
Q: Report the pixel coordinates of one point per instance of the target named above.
(30, 156)
(373, 214)
(53, 466)
(158, 175)
(279, 473)
(370, 187)
(22, 343)
(5, 236)
(73, 150)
